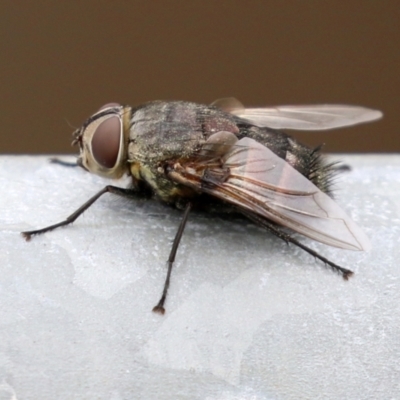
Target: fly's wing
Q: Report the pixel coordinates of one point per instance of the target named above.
(308, 117)
(228, 104)
(252, 177)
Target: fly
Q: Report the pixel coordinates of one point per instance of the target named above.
(224, 158)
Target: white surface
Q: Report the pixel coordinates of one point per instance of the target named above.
(248, 317)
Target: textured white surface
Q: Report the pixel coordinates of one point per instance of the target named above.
(247, 316)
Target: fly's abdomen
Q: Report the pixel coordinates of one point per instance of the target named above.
(309, 162)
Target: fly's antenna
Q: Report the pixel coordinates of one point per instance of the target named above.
(70, 125)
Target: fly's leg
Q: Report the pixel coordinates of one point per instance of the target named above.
(346, 273)
(342, 167)
(108, 189)
(57, 161)
(159, 308)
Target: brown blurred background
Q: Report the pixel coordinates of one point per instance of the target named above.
(61, 60)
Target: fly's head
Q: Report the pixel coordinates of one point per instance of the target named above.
(102, 140)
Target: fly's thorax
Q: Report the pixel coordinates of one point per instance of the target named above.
(168, 133)
(103, 141)
(156, 179)
(172, 130)
(161, 131)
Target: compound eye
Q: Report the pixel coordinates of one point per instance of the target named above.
(106, 141)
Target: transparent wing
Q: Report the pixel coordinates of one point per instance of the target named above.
(308, 117)
(228, 104)
(254, 178)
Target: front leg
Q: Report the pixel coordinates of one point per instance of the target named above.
(108, 189)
